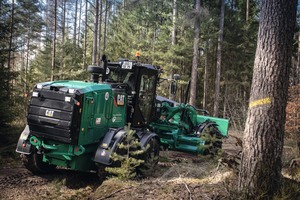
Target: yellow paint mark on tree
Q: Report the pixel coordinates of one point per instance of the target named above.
(260, 102)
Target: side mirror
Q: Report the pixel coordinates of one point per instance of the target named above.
(176, 77)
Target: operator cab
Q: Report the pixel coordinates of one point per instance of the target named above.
(139, 82)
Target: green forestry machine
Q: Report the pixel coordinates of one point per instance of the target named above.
(79, 124)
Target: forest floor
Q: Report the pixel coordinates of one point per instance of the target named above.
(177, 176)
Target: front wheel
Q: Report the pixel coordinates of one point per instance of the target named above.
(34, 163)
(150, 157)
(213, 140)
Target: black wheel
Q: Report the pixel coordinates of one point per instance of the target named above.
(150, 157)
(34, 163)
(213, 140)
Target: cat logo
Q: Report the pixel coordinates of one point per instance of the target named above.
(49, 113)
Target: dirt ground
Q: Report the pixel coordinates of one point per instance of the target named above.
(177, 176)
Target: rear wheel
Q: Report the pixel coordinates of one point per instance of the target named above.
(150, 157)
(34, 163)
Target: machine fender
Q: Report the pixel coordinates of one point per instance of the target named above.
(201, 127)
(24, 145)
(145, 137)
(108, 146)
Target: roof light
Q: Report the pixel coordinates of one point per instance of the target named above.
(71, 91)
(67, 99)
(137, 54)
(35, 94)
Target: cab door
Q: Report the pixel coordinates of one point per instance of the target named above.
(145, 94)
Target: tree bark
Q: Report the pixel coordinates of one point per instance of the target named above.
(219, 61)
(54, 41)
(260, 173)
(95, 42)
(194, 72)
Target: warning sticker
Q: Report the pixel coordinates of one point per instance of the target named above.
(98, 120)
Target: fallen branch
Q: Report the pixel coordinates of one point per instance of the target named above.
(190, 194)
(238, 141)
(110, 195)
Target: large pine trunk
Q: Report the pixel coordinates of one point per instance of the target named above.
(260, 173)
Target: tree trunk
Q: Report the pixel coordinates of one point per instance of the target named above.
(247, 10)
(219, 61)
(27, 62)
(63, 41)
(225, 97)
(10, 47)
(264, 132)
(95, 42)
(75, 22)
(172, 96)
(105, 26)
(193, 91)
(85, 35)
(79, 23)
(100, 25)
(205, 78)
(297, 71)
(54, 41)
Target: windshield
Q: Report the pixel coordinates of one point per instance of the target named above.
(119, 75)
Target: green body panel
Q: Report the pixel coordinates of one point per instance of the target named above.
(75, 157)
(223, 124)
(94, 121)
(100, 111)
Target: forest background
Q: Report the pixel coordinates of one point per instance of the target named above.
(43, 40)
